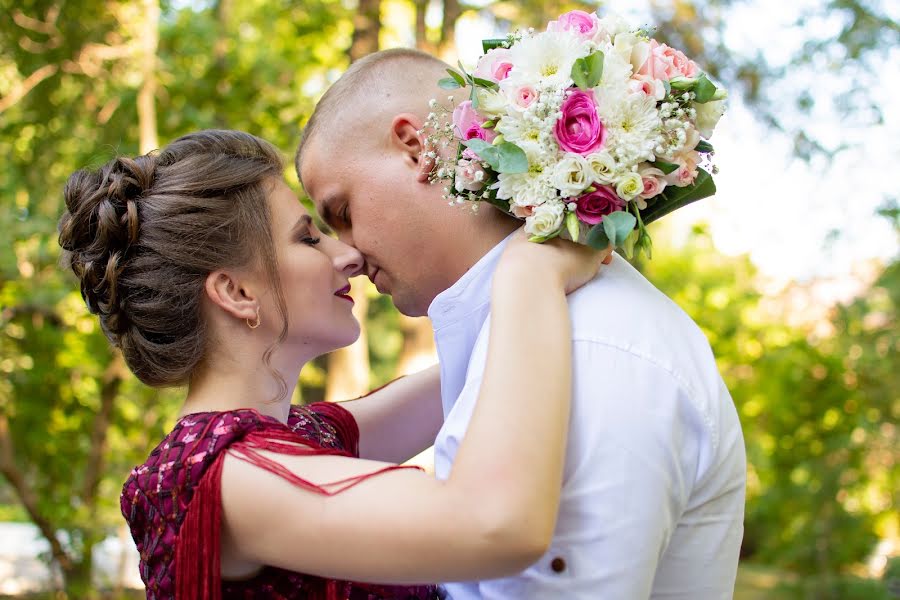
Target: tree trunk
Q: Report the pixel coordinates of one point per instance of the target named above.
(418, 345)
(366, 27)
(421, 8)
(146, 99)
(348, 368)
(447, 44)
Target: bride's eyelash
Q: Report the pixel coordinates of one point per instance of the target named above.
(311, 241)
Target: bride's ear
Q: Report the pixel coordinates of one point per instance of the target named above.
(226, 291)
(405, 136)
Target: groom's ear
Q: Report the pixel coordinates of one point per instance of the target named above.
(405, 136)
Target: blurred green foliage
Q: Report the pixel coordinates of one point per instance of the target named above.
(818, 400)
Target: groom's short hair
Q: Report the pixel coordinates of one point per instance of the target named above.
(382, 76)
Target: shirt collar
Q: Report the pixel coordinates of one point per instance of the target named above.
(469, 293)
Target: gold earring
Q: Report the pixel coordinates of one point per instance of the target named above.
(258, 320)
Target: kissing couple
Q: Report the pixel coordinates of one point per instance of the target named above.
(586, 446)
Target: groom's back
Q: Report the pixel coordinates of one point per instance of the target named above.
(653, 495)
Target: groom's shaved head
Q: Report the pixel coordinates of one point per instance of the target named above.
(371, 92)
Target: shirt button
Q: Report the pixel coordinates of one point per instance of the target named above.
(558, 564)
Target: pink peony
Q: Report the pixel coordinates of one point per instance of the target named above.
(585, 24)
(467, 123)
(592, 207)
(495, 65)
(580, 130)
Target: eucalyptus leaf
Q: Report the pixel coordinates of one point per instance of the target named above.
(512, 159)
(618, 226)
(448, 83)
(588, 71)
(704, 146)
(486, 152)
(596, 237)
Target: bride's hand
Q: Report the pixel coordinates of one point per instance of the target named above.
(573, 264)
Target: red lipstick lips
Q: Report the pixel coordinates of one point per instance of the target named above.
(344, 293)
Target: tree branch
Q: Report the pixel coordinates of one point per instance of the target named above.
(112, 381)
(21, 89)
(27, 497)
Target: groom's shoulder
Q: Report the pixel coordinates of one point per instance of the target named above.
(621, 303)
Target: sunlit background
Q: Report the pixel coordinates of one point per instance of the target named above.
(791, 269)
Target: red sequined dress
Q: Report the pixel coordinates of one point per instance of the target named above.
(171, 503)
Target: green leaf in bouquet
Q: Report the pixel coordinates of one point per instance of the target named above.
(618, 226)
(449, 83)
(511, 158)
(588, 71)
(681, 83)
(629, 243)
(596, 237)
(573, 226)
(704, 90)
(674, 198)
(457, 77)
(704, 146)
(485, 83)
(665, 167)
(491, 43)
(540, 239)
(485, 151)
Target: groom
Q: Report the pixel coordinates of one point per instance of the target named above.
(653, 496)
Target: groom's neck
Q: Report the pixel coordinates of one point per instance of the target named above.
(480, 235)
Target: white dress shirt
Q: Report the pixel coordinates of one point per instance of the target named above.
(653, 495)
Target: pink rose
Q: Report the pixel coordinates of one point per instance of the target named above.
(524, 96)
(665, 62)
(469, 176)
(686, 172)
(653, 180)
(580, 130)
(585, 24)
(467, 123)
(591, 208)
(494, 65)
(648, 86)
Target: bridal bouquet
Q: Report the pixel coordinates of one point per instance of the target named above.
(590, 130)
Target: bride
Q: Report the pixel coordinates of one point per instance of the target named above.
(206, 271)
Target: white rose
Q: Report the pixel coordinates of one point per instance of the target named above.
(602, 166)
(629, 185)
(490, 103)
(708, 116)
(469, 176)
(546, 219)
(571, 175)
(609, 27)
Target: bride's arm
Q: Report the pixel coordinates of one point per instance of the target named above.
(401, 419)
(497, 511)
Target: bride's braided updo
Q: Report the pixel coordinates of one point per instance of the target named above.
(141, 234)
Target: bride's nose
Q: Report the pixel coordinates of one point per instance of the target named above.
(347, 259)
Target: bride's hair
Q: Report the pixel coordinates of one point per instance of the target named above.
(143, 233)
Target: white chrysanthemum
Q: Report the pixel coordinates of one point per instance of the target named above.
(547, 219)
(632, 124)
(546, 58)
(531, 188)
(531, 134)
